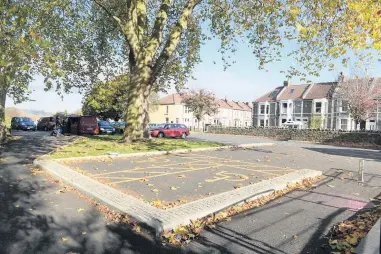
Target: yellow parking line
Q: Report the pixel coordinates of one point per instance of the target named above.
(166, 174)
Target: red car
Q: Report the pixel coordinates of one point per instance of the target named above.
(172, 130)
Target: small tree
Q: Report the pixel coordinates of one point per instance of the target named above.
(316, 122)
(201, 103)
(362, 95)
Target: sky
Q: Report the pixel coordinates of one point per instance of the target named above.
(240, 82)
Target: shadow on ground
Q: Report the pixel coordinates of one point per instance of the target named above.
(358, 153)
(35, 219)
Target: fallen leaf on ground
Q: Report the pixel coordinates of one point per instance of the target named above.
(17, 206)
(150, 184)
(80, 210)
(173, 188)
(84, 233)
(341, 178)
(331, 186)
(295, 236)
(181, 176)
(64, 239)
(155, 190)
(144, 180)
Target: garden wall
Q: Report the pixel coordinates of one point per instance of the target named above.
(364, 138)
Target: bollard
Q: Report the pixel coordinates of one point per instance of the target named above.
(361, 171)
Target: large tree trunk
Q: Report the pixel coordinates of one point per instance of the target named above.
(136, 114)
(3, 95)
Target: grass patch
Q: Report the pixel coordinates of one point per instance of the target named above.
(103, 144)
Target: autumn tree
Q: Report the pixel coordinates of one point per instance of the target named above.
(201, 103)
(362, 95)
(158, 41)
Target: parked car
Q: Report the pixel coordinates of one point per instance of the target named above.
(293, 125)
(171, 130)
(22, 123)
(119, 126)
(81, 125)
(46, 123)
(154, 126)
(105, 127)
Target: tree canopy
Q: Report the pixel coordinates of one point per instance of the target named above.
(201, 103)
(361, 95)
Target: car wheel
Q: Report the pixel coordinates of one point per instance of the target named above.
(160, 135)
(183, 135)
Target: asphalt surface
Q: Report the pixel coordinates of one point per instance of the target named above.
(34, 219)
(184, 177)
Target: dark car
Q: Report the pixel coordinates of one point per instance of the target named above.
(81, 125)
(46, 123)
(119, 126)
(105, 127)
(171, 130)
(22, 123)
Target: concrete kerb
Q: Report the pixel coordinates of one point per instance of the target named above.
(160, 220)
(158, 153)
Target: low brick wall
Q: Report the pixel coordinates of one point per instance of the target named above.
(321, 136)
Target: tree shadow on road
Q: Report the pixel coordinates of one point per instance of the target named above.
(31, 223)
(349, 152)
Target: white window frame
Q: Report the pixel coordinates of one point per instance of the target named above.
(321, 107)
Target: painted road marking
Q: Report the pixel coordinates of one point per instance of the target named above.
(197, 162)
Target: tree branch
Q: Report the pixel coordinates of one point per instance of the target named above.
(174, 38)
(157, 31)
(127, 29)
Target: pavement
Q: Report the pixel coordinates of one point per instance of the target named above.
(184, 177)
(34, 219)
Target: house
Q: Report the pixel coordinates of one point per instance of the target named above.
(171, 108)
(313, 105)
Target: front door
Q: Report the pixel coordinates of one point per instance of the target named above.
(362, 125)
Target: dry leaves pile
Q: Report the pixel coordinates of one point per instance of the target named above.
(166, 205)
(347, 235)
(184, 234)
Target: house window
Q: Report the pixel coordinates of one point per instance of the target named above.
(166, 110)
(284, 120)
(297, 119)
(262, 109)
(344, 124)
(262, 123)
(344, 106)
(318, 107)
(292, 91)
(186, 110)
(177, 120)
(284, 107)
(267, 109)
(167, 119)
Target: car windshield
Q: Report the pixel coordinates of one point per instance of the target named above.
(105, 123)
(26, 120)
(157, 126)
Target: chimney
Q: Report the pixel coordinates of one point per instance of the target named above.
(286, 83)
(341, 77)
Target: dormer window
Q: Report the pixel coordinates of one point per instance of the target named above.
(292, 91)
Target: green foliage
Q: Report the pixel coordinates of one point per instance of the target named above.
(316, 122)
(106, 100)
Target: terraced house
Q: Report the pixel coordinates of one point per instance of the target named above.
(308, 104)
(171, 108)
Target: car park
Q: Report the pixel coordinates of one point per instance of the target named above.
(105, 127)
(22, 123)
(46, 123)
(119, 126)
(171, 130)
